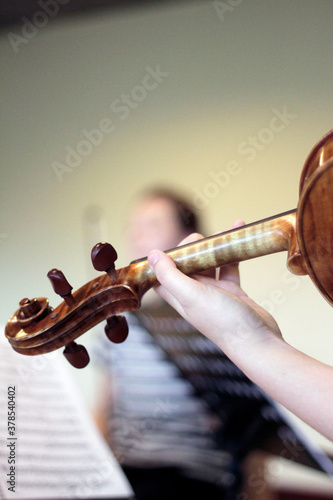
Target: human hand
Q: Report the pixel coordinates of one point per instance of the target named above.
(215, 305)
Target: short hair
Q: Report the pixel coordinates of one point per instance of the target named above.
(187, 217)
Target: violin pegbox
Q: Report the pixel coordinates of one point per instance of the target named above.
(103, 257)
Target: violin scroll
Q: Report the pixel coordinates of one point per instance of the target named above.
(37, 328)
(32, 310)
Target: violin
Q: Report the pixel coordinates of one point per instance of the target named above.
(306, 233)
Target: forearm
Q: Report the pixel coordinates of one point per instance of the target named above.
(300, 383)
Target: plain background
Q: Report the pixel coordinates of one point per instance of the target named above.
(227, 74)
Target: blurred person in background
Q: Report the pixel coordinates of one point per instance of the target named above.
(163, 435)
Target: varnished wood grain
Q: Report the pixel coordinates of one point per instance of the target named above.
(319, 154)
(315, 225)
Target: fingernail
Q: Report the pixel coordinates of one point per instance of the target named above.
(238, 223)
(153, 257)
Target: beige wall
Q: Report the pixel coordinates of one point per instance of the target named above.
(225, 77)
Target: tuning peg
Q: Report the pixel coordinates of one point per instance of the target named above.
(103, 257)
(116, 329)
(61, 286)
(76, 355)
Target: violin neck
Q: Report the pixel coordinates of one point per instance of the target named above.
(271, 235)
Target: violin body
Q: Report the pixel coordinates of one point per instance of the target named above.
(306, 233)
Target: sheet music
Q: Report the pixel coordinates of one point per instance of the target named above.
(49, 445)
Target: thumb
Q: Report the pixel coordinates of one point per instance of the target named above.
(175, 287)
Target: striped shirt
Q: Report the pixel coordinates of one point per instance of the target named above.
(155, 416)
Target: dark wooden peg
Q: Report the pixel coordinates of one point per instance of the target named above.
(103, 257)
(76, 355)
(60, 285)
(116, 329)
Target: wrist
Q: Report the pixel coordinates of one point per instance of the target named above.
(243, 344)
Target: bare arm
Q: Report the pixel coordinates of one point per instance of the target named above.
(251, 338)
